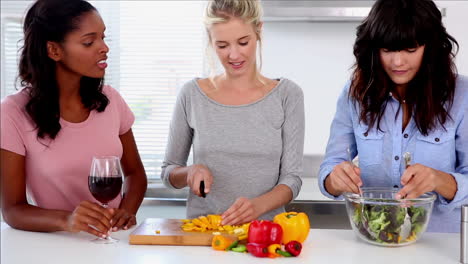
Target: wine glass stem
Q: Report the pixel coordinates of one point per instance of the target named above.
(105, 205)
(108, 237)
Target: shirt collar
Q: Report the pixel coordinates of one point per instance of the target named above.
(390, 94)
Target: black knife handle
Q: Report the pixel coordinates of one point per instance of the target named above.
(202, 189)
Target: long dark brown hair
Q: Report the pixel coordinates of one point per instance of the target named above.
(52, 20)
(398, 25)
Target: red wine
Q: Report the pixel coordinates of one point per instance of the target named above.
(105, 189)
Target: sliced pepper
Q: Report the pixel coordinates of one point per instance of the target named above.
(242, 237)
(212, 223)
(295, 226)
(220, 242)
(233, 245)
(240, 248)
(215, 220)
(205, 220)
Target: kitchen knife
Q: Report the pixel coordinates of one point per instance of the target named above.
(202, 189)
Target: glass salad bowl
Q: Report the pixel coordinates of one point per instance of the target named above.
(380, 219)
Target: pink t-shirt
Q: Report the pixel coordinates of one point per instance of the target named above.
(57, 171)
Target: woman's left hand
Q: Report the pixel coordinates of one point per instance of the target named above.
(122, 219)
(243, 210)
(419, 179)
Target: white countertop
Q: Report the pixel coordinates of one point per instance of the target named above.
(322, 246)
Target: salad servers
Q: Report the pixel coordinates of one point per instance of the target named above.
(406, 226)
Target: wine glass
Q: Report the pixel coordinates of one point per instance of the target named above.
(105, 183)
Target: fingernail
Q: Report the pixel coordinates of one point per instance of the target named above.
(103, 236)
(125, 227)
(398, 196)
(114, 229)
(111, 221)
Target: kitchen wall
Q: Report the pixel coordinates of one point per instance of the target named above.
(318, 56)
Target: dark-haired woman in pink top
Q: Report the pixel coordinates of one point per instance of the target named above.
(64, 115)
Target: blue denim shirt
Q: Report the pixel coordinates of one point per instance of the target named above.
(380, 152)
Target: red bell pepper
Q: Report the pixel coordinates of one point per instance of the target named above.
(265, 232)
(293, 247)
(258, 250)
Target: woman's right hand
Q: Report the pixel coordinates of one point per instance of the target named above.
(345, 177)
(197, 173)
(88, 215)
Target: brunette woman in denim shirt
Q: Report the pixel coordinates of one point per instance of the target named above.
(404, 96)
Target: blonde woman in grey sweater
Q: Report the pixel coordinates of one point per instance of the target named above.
(246, 130)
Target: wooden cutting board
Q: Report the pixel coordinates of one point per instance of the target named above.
(161, 231)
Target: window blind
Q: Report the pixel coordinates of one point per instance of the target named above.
(155, 47)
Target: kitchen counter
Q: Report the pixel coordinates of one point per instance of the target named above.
(322, 246)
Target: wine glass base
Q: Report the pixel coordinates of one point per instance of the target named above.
(108, 240)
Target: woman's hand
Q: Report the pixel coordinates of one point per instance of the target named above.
(419, 179)
(197, 173)
(243, 210)
(345, 177)
(90, 217)
(122, 219)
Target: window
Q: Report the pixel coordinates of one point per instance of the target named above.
(155, 47)
(11, 34)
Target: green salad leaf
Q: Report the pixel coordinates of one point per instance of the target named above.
(382, 223)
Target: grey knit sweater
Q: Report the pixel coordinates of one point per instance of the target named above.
(249, 148)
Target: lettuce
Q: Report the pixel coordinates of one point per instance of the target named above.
(382, 223)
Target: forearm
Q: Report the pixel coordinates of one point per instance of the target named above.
(447, 186)
(135, 188)
(279, 196)
(178, 177)
(33, 218)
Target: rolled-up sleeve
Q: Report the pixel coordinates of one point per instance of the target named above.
(341, 138)
(293, 142)
(461, 170)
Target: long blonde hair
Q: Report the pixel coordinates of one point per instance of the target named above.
(220, 11)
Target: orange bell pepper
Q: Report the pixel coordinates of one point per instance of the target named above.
(295, 226)
(220, 242)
